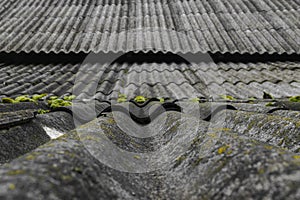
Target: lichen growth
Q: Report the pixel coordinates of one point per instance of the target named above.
(111, 121)
(30, 157)
(221, 129)
(281, 142)
(268, 147)
(227, 97)
(261, 171)
(140, 99)
(91, 138)
(179, 160)
(137, 157)
(296, 157)
(66, 178)
(197, 161)
(295, 99)
(15, 172)
(12, 186)
(223, 149)
(298, 124)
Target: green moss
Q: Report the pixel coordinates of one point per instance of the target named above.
(37, 97)
(122, 98)
(69, 98)
(295, 99)
(56, 103)
(252, 99)
(140, 99)
(161, 100)
(12, 186)
(15, 172)
(8, 100)
(42, 112)
(195, 100)
(227, 97)
(137, 157)
(53, 97)
(24, 98)
(271, 104)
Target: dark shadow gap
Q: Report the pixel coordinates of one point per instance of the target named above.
(130, 57)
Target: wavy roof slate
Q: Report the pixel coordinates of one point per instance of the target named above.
(256, 26)
(177, 80)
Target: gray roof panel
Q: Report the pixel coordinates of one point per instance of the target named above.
(152, 79)
(191, 26)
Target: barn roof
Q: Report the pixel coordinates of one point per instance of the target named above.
(175, 99)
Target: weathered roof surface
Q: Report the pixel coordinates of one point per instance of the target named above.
(218, 163)
(205, 147)
(243, 26)
(22, 130)
(170, 77)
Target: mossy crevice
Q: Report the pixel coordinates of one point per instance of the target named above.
(53, 101)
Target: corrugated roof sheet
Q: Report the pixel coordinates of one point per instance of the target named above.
(243, 26)
(174, 80)
(218, 163)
